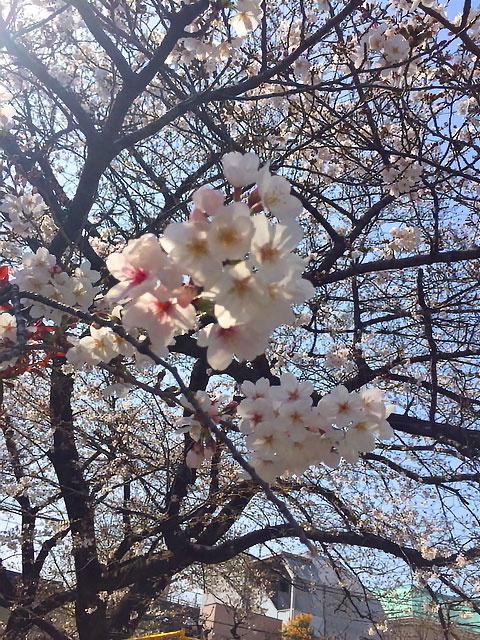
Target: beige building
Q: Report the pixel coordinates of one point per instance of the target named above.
(220, 621)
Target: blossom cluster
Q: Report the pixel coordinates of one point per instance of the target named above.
(237, 266)
(394, 46)
(402, 176)
(27, 216)
(391, 51)
(102, 345)
(211, 52)
(204, 445)
(285, 432)
(41, 274)
(338, 358)
(6, 110)
(288, 434)
(404, 238)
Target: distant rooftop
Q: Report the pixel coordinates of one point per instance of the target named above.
(315, 570)
(413, 602)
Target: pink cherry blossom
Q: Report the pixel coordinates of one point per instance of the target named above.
(162, 318)
(139, 267)
(195, 456)
(208, 200)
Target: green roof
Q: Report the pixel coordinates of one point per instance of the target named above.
(413, 602)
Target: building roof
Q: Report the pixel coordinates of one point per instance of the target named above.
(413, 602)
(316, 571)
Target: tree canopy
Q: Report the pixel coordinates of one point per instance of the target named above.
(239, 297)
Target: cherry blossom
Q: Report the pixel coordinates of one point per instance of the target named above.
(161, 316)
(187, 246)
(341, 407)
(291, 390)
(138, 267)
(272, 247)
(275, 194)
(243, 340)
(248, 17)
(240, 169)
(8, 327)
(255, 411)
(27, 214)
(396, 48)
(230, 233)
(210, 201)
(195, 456)
(240, 294)
(100, 346)
(404, 238)
(256, 390)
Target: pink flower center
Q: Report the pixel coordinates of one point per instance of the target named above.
(226, 334)
(163, 308)
(137, 275)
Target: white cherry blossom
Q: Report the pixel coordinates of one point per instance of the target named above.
(230, 233)
(222, 343)
(240, 169)
(8, 327)
(100, 346)
(40, 263)
(208, 200)
(248, 17)
(272, 245)
(187, 246)
(275, 194)
(341, 407)
(291, 390)
(258, 389)
(240, 294)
